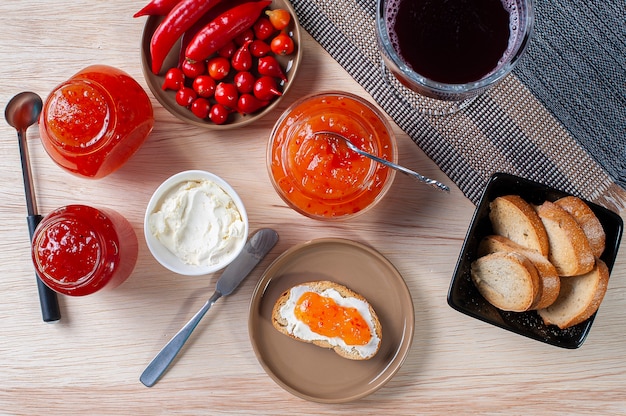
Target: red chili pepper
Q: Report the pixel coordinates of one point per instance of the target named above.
(180, 19)
(223, 29)
(157, 8)
(258, 48)
(202, 22)
(242, 59)
(248, 104)
(266, 88)
(268, 65)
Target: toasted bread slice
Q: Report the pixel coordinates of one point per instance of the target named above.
(507, 280)
(580, 297)
(550, 280)
(285, 321)
(570, 251)
(515, 219)
(587, 220)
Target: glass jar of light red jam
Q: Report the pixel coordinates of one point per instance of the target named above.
(78, 250)
(94, 122)
(315, 172)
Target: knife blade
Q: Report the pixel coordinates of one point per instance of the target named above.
(255, 249)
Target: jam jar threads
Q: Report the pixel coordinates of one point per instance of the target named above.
(94, 122)
(78, 250)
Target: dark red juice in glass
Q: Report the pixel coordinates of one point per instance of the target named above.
(449, 41)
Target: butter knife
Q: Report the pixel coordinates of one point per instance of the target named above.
(255, 249)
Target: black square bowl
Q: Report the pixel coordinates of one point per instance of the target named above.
(465, 298)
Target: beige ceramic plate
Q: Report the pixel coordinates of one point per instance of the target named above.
(315, 373)
(289, 63)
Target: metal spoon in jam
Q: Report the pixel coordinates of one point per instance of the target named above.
(392, 165)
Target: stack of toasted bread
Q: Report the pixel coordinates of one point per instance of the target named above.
(544, 258)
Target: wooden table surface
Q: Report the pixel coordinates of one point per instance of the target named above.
(90, 361)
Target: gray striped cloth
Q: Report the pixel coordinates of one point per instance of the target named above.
(559, 119)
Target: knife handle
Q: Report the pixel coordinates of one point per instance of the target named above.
(48, 300)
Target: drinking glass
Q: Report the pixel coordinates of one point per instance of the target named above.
(440, 97)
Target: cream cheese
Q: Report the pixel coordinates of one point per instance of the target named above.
(198, 222)
(302, 330)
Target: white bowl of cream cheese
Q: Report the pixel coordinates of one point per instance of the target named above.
(195, 223)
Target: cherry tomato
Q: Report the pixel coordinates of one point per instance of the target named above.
(242, 59)
(244, 37)
(226, 94)
(227, 50)
(248, 104)
(263, 28)
(185, 96)
(174, 79)
(266, 88)
(200, 107)
(204, 86)
(282, 44)
(258, 48)
(193, 69)
(244, 81)
(219, 114)
(279, 18)
(218, 67)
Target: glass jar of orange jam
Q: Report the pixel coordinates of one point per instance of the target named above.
(315, 173)
(94, 122)
(78, 250)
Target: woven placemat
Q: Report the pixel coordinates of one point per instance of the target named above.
(558, 119)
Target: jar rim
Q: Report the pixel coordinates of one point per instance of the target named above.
(67, 217)
(285, 121)
(93, 142)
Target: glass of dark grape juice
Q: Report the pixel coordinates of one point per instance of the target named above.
(451, 51)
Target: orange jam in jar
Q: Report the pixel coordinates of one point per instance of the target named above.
(94, 122)
(325, 317)
(316, 173)
(78, 250)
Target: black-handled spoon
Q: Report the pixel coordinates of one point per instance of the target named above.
(22, 112)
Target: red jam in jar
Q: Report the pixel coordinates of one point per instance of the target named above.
(78, 250)
(94, 122)
(316, 173)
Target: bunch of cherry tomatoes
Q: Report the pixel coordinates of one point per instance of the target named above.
(243, 76)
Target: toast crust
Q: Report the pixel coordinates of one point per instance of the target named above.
(507, 280)
(587, 220)
(580, 298)
(281, 324)
(570, 251)
(550, 280)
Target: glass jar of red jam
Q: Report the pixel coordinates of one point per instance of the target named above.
(315, 173)
(78, 250)
(94, 122)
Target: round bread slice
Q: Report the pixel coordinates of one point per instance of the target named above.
(580, 298)
(514, 218)
(284, 320)
(587, 220)
(570, 251)
(550, 280)
(507, 280)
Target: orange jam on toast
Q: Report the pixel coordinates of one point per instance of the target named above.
(325, 317)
